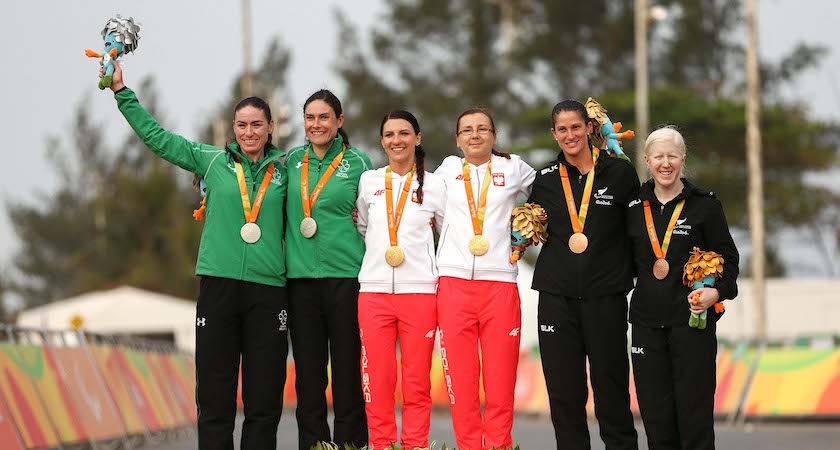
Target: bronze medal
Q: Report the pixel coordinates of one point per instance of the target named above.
(394, 256)
(578, 243)
(479, 245)
(661, 269)
(250, 232)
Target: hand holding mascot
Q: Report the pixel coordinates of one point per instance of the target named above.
(121, 37)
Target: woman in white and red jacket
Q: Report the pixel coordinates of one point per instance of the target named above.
(396, 206)
(478, 299)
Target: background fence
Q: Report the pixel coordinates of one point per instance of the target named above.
(60, 389)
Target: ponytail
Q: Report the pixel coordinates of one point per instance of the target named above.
(420, 162)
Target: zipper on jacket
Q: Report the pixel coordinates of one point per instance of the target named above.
(661, 210)
(393, 280)
(479, 181)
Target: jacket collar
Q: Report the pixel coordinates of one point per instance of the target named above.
(271, 153)
(561, 159)
(689, 189)
(332, 152)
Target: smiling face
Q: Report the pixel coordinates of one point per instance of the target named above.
(320, 123)
(251, 127)
(476, 137)
(665, 161)
(399, 141)
(570, 130)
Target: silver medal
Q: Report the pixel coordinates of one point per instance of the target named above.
(308, 227)
(250, 232)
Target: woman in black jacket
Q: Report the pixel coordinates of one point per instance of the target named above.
(674, 364)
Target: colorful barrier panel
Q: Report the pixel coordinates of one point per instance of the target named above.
(22, 399)
(795, 382)
(9, 439)
(136, 410)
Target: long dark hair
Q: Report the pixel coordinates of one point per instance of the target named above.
(329, 98)
(419, 153)
(486, 112)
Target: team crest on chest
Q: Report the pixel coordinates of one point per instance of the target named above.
(343, 167)
(498, 179)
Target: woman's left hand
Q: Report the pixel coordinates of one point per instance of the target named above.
(706, 297)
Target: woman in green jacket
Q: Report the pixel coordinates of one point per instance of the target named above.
(324, 254)
(242, 304)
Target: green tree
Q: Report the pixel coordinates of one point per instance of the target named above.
(522, 56)
(119, 216)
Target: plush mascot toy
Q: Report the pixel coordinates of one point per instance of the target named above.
(527, 228)
(121, 36)
(701, 270)
(605, 129)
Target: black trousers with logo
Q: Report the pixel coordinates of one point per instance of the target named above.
(572, 330)
(325, 325)
(674, 371)
(240, 321)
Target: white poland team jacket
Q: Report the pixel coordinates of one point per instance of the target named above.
(510, 178)
(418, 273)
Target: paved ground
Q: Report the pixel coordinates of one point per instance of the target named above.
(536, 433)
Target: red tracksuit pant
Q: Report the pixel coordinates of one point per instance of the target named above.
(383, 318)
(469, 312)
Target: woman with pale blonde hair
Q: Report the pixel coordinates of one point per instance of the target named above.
(673, 362)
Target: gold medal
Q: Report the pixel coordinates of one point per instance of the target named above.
(250, 232)
(661, 269)
(394, 256)
(479, 245)
(308, 227)
(578, 243)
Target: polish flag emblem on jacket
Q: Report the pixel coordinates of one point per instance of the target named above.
(498, 179)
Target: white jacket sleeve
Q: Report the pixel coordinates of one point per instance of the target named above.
(362, 206)
(527, 174)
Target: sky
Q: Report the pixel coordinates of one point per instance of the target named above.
(193, 49)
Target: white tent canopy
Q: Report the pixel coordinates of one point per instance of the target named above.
(124, 310)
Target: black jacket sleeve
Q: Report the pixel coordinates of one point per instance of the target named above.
(718, 238)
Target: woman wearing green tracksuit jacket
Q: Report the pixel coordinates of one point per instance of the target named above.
(324, 254)
(242, 305)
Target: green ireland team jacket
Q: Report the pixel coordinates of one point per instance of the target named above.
(337, 249)
(223, 253)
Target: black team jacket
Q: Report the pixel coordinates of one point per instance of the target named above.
(605, 267)
(663, 303)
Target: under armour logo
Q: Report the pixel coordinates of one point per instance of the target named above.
(547, 328)
(283, 317)
(514, 332)
(430, 334)
(200, 321)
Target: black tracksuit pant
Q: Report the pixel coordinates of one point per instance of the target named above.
(572, 329)
(240, 321)
(674, 370)
(325, 324)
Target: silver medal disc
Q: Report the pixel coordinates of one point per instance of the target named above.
(308, 227)
(250, 232)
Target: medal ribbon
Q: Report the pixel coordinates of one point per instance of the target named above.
(477, 213)
(395, 219)
(309, 203)
(660, 252)
(252, 213)
(579, 220)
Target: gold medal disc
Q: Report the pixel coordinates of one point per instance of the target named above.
(479, 245)
(250, 232)
(308, 227)
(661, 269)
(578, 243)
(394, 256)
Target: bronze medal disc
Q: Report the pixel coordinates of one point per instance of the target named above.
(394, 256)
(308, 227)
(250, 232)
(578, 243)
(661, 269)
(479, 245)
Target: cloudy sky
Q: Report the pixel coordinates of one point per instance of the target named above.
(193, 49)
